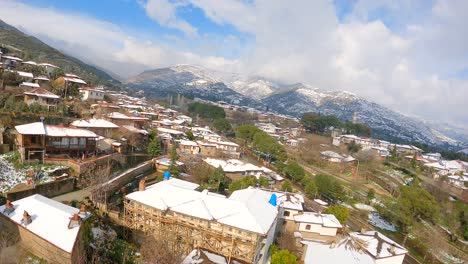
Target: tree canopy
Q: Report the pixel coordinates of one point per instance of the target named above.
(340, 212)
(294, 171)
(283, 257)
(222, 125)
(329, 187)
(207, 111)
(247, 181)
(316, 123)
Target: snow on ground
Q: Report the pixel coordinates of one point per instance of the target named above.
(364, 207)
(10, 176)
(451, 259)
(376, 220)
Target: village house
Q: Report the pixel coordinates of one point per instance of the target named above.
(99, 126)
(10, 62)
(121, 119)
(50, 68)
(32, 220)
(188, 147)
(42, 97)
(241, 227)
(163, 164)
(334, 157)
(235, 169)
(36, 140)
(25, 76)
(104, 108)
(309, 224)
(207, 149)
(28, 85)
(89, 93)
(41, 80)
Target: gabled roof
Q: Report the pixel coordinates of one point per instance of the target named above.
(74, 80)
(252, 213)
(50, 220)
(47, 65)
(117, 115)
(60, 131)
(326, 220)
(41, 92)
(93, 123)
(378, 245)
(28, 84)
(36, 128)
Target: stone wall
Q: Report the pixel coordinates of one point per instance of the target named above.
(49, 189)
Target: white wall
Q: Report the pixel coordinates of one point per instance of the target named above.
(318, 228)
(391, 260)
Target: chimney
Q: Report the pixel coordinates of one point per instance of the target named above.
(75, 221)
(363, 230)
(9, 208)
(392, 249)
(83, 209)
(26, 218)
(142, 185)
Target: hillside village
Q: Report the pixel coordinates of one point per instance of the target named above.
(89, 174)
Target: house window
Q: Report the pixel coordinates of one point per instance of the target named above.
(286, 213)
(307, 227)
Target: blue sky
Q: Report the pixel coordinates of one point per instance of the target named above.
(409, 55)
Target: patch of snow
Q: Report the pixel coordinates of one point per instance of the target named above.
(364, 207)
(376, 220)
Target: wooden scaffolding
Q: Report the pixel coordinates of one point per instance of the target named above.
(184, 236)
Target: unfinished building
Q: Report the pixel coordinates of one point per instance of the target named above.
(241, 227)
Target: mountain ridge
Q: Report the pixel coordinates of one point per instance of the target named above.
(295, 99)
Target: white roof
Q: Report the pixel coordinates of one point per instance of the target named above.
(198, 256)
(326, 220)
(321, 202)
(30, 62)
(188, 143)
(320, 253)
(283, 199)
(25, 74)
(232, 165)
(372, 240)
(228, 143)
(12, 58)
(74, 80)
(50, 220)
(169, 131)
(117, 115)
(58, 131)
(36, 128)
(28, 84)
(94, 122)
(136, 130)
(253, 213)
(42, 78)
(331, 154)
(47, 65)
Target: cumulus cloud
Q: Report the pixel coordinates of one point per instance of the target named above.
(381, 50)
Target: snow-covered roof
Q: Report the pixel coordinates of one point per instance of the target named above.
(25, 74)
(167, 162)
(11, 58)
(93, 123)
(36, 128)
(74, 80)
(28, 84)
(326, 220)
(117, 115)
(50, 220)
(331, 154)
(188, 143)
(136, 130)
(42, 78)
(232, 165)
(59, 131)
(286, 200)
(252, 213)
(170, 131)
(378, 245)
(47, 65)
(227, 143)
(30, 63)
(41, 92)
(321, 202)
(321, 253)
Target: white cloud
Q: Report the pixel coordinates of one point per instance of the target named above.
(165, 13)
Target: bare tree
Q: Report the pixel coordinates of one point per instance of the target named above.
(158, 251)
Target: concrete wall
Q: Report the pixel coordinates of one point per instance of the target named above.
(317, 228)
(49, 189)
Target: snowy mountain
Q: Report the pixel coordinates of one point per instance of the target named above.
(191, 81)
(384, 122)
(294, 100)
